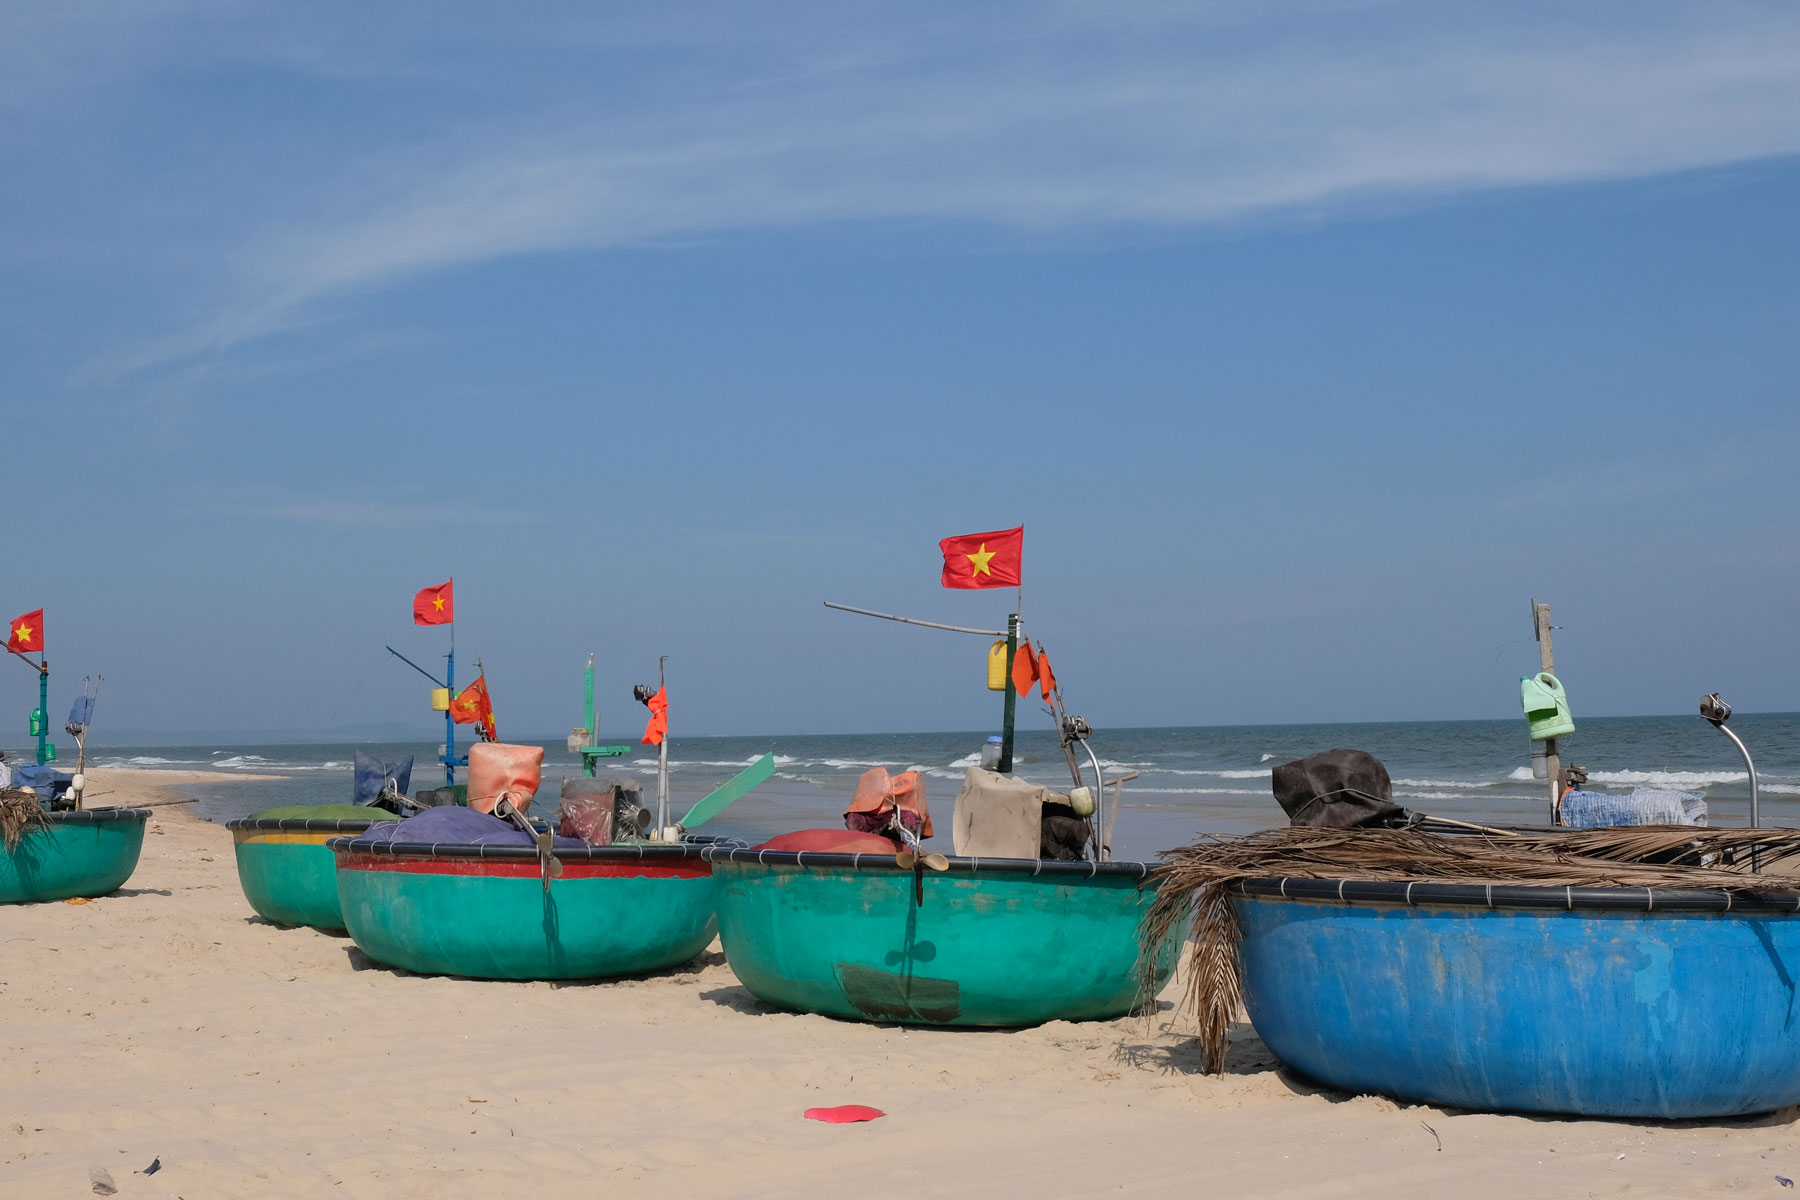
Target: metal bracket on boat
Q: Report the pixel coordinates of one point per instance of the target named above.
(913, 859)
(549, 866)
(1076, 731)
(1716, 712)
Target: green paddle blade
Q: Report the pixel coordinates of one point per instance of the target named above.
(732, 789)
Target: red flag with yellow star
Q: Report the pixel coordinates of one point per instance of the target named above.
(26, 633)
(984, 560)
(473, 707)
(434, 605)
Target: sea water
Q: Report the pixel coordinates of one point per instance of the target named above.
(1189, 780)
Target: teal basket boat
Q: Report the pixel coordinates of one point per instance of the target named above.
(287, 874)
(994, 942)
(87, 853)
(484, 911)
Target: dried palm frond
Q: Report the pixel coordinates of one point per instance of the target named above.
(1194, 884)
(19, 811)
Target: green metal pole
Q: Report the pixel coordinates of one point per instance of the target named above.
(1012, 697)
(43, 754)
(587, 763)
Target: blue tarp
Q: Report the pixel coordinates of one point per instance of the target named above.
(80, 713)
(372, 775)
(460, 826)
(46, 781)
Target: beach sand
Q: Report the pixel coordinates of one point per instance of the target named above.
(167, 1022)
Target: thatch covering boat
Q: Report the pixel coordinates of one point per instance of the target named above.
(494, 912)
(1622, 973)
(984, 942)
(62, 855)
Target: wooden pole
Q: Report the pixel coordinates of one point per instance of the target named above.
(1540, 619)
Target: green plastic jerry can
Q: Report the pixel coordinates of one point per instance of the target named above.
(1546, 706)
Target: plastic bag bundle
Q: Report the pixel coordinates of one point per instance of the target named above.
(879, 795)
(500, 770)
(1641, 806)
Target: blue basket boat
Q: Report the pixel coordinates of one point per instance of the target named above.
(1596, 1001)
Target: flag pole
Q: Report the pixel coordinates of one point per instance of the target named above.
(43, 707)
(1005, 765)
(450, 686)
(662, 754)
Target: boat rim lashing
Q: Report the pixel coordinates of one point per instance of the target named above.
(1082, 869)
(1518, 896)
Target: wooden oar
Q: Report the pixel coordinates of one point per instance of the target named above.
(735, 788)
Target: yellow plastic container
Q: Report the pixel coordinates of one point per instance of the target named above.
(440, 699)
(1546, 706)
(997, 667)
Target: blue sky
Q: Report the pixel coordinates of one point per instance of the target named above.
(1308, 340)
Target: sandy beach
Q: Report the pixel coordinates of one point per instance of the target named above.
(166, 1022)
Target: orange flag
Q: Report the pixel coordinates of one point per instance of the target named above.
(473, 707)
(26, 633)
(435, 605)
(658, 728)
(1046, 677)
(1025, 669)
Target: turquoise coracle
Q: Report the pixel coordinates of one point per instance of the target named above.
(87, 853)
(994, 943)
(484, 911)
(287, 874)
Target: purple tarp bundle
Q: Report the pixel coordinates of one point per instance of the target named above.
(458, 826)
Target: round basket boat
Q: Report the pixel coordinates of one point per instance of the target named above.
(286, 872)
(484, 911)
(86, 853)
(1596, 1001)
(996, 942)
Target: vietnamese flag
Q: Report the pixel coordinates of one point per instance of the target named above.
(984, 560)
(473, 707)
(1025, 669)
(434, 606)
(26, 633)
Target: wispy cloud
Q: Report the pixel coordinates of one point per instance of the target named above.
(569, 132)
(398, 507)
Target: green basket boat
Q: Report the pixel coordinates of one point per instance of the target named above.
(287, 874)
(86, 853)
(483, 911)
(996, 942)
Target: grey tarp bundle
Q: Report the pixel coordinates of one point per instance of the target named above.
(372, 775)
(998, 816)
(1338, 789)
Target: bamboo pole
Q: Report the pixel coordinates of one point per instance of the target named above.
(1540, 619)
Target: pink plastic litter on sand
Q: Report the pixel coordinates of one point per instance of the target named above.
(843, 1114)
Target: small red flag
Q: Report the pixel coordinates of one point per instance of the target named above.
(26, 633)
(473, 707)
(1046, 677)
(434, 606)
(984, 560)
(658, 728)
(1025, 669)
